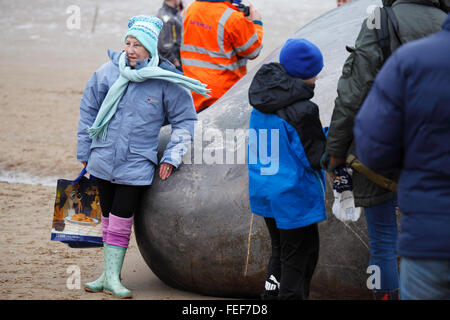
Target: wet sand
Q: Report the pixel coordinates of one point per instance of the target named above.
(44, 68)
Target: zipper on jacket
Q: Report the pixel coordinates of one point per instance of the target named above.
(120, 130)
(320, 181)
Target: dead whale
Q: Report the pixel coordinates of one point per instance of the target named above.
(195, 230)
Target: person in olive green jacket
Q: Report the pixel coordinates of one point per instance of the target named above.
(416, 19)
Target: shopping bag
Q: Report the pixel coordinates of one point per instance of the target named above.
(344, 203)
(77, 213)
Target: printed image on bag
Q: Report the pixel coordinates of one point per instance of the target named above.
(77, 213)
(344, 203)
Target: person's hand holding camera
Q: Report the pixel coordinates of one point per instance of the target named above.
(254, 13)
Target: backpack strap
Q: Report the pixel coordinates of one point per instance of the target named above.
(383, 34)
(387, 16)
(393, 20)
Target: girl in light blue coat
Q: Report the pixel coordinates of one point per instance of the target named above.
(122, 111)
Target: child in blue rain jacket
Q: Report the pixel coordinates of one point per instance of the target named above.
(286, 183)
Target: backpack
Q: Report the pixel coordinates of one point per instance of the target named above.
(387, 16)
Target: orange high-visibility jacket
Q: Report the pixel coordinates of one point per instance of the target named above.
(217, 41)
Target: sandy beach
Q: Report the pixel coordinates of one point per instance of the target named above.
(45, 66)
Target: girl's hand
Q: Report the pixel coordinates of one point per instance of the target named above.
(165, 170)
(84, 163)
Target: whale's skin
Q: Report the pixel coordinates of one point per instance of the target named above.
(195, 230)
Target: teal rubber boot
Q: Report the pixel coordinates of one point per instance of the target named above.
(97, 285)
(114, 257)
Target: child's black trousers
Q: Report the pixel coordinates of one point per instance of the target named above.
(295, 253)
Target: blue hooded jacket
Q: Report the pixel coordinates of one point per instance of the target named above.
(129, 153)
(404, 123)
(286, 141)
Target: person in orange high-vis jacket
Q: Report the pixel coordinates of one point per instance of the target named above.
(217, 42)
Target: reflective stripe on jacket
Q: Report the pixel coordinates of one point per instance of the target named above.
(217, 41)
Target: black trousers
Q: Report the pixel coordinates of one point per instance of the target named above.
(295, 253)
(121, 200)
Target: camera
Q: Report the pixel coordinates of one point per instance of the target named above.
(242, 7)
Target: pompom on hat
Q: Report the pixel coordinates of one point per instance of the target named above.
(301, 58)
(146, 30)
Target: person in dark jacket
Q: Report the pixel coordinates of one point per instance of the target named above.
(170, 37)
(287, 188)
(416, 19)
(410, 101)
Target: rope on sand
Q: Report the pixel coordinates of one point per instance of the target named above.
(248, 245)
(94, 23)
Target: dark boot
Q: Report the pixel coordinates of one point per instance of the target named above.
(272, 285)
(271, 289)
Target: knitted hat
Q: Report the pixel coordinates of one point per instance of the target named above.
(301, 58)
(146, 30)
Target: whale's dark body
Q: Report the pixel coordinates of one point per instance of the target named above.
(193, 229)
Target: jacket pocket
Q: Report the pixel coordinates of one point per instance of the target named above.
(149, 154)
(348, 65)
(148, 108)
(100, 143)
(100, 152)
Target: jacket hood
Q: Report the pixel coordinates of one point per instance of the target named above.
(443, 4)
(446, 25)
(273, 88)
(388, 3)
(163, 63)
(114, 56)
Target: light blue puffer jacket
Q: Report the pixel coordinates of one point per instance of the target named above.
(129, 153)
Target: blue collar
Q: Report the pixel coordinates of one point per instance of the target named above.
(139, 64)
(446, 25)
